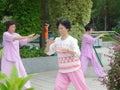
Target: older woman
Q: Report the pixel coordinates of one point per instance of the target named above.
(11, 55)
(68, 58)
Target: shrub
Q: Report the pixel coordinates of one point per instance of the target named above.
(13, 82)
(29, 52)
(117, 29)
(113, 80)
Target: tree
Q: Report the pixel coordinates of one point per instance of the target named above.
(105, 14)
(77, 11)
(27, 14)
(97, 15)
(44, 18)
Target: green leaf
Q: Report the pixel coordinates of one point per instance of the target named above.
(3, 87)
(25, 80)
(13, 74)
(16, 84)
(8, 82)
(30, 89)
(5, 78)
(14, 87)
(2, 76)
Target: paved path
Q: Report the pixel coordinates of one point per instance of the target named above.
(45, 81)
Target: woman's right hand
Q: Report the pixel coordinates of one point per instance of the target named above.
(50, 41)
(101, 35)
(33, 38)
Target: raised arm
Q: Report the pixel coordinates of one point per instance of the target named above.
(50, 47)
(29, 39)
(9, 37)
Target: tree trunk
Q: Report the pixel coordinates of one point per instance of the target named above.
(106, 15)
(42, 37)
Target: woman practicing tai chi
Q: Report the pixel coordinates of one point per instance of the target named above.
(11, 55)
(88, 54)
(68, 58)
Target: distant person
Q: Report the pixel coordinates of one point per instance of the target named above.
(88, 54)
(46, 31)
(11, 55)
(68, 54)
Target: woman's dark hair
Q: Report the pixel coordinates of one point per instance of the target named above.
(64, 22)
(9, 23)
(88, 27)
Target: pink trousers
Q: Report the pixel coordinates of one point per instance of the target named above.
(76, 77)
(97, 67)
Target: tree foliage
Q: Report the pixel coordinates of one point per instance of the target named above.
(77, 11)
(26, 13)
(97, 15)
(105, 10)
